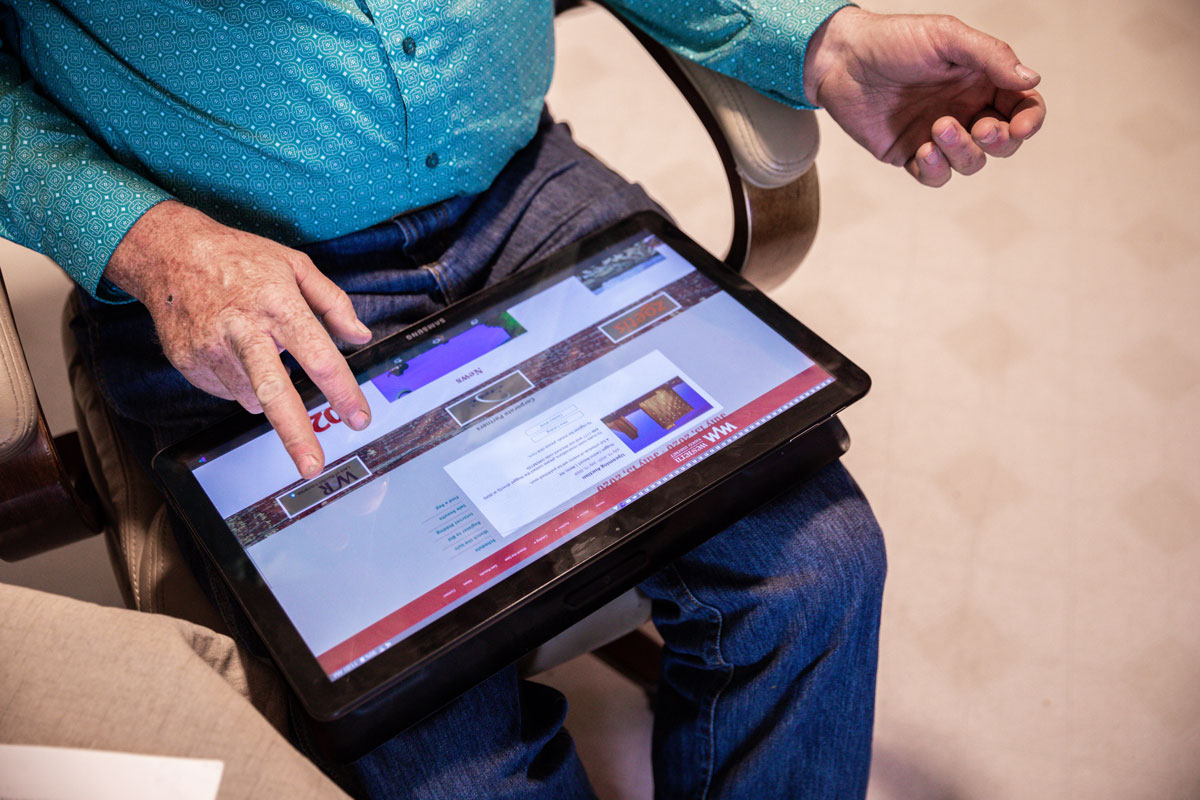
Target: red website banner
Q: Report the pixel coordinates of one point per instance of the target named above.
(613, 492)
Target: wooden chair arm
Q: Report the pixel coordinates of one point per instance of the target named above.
(46, 496)
(767, 150)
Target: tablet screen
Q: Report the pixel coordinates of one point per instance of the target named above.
(497, 438)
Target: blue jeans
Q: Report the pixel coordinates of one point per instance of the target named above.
(771, 627)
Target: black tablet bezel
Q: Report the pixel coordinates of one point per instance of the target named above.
(328, 700)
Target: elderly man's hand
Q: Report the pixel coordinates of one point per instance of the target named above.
(226, 303)
(924, 92)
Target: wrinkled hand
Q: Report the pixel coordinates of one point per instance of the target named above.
(924, 92)
(226, 303)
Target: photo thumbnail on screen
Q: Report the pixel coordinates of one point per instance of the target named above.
(609, 270)
(656, 413)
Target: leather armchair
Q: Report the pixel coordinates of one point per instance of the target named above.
(57, 490)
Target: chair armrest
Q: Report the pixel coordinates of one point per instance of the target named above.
(19, 410)
(46, 497)
(772, 144)
(768, 151)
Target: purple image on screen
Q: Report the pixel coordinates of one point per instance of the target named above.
(440, 360)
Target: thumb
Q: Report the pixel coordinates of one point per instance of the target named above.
(963, 45)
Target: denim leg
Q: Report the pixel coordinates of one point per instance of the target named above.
(771, 631)
(503, 740)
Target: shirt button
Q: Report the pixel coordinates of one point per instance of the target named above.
(431, 160)
(410, 45)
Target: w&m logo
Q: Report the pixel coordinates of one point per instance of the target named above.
(720, 431)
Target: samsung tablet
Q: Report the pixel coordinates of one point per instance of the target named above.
(535, 450)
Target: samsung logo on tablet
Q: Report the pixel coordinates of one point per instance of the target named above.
(426, 328)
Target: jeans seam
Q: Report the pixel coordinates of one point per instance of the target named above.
(444, 284)
(710, 724)
(403, 224)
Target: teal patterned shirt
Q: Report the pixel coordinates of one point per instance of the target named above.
(302, 120)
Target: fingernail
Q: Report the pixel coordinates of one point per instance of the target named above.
(949, 135)
(309, 465)
(363, 330)
(990, 136)
(1025, 73)
(360, 420)
(932, 156)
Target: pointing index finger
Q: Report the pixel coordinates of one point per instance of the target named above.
(281, 402)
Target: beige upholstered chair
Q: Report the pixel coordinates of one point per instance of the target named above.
(73, 674)
(54, 490)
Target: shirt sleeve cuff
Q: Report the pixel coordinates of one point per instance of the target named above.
(774, 47)
(105, 207)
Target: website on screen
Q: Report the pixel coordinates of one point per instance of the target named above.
(499, 439)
